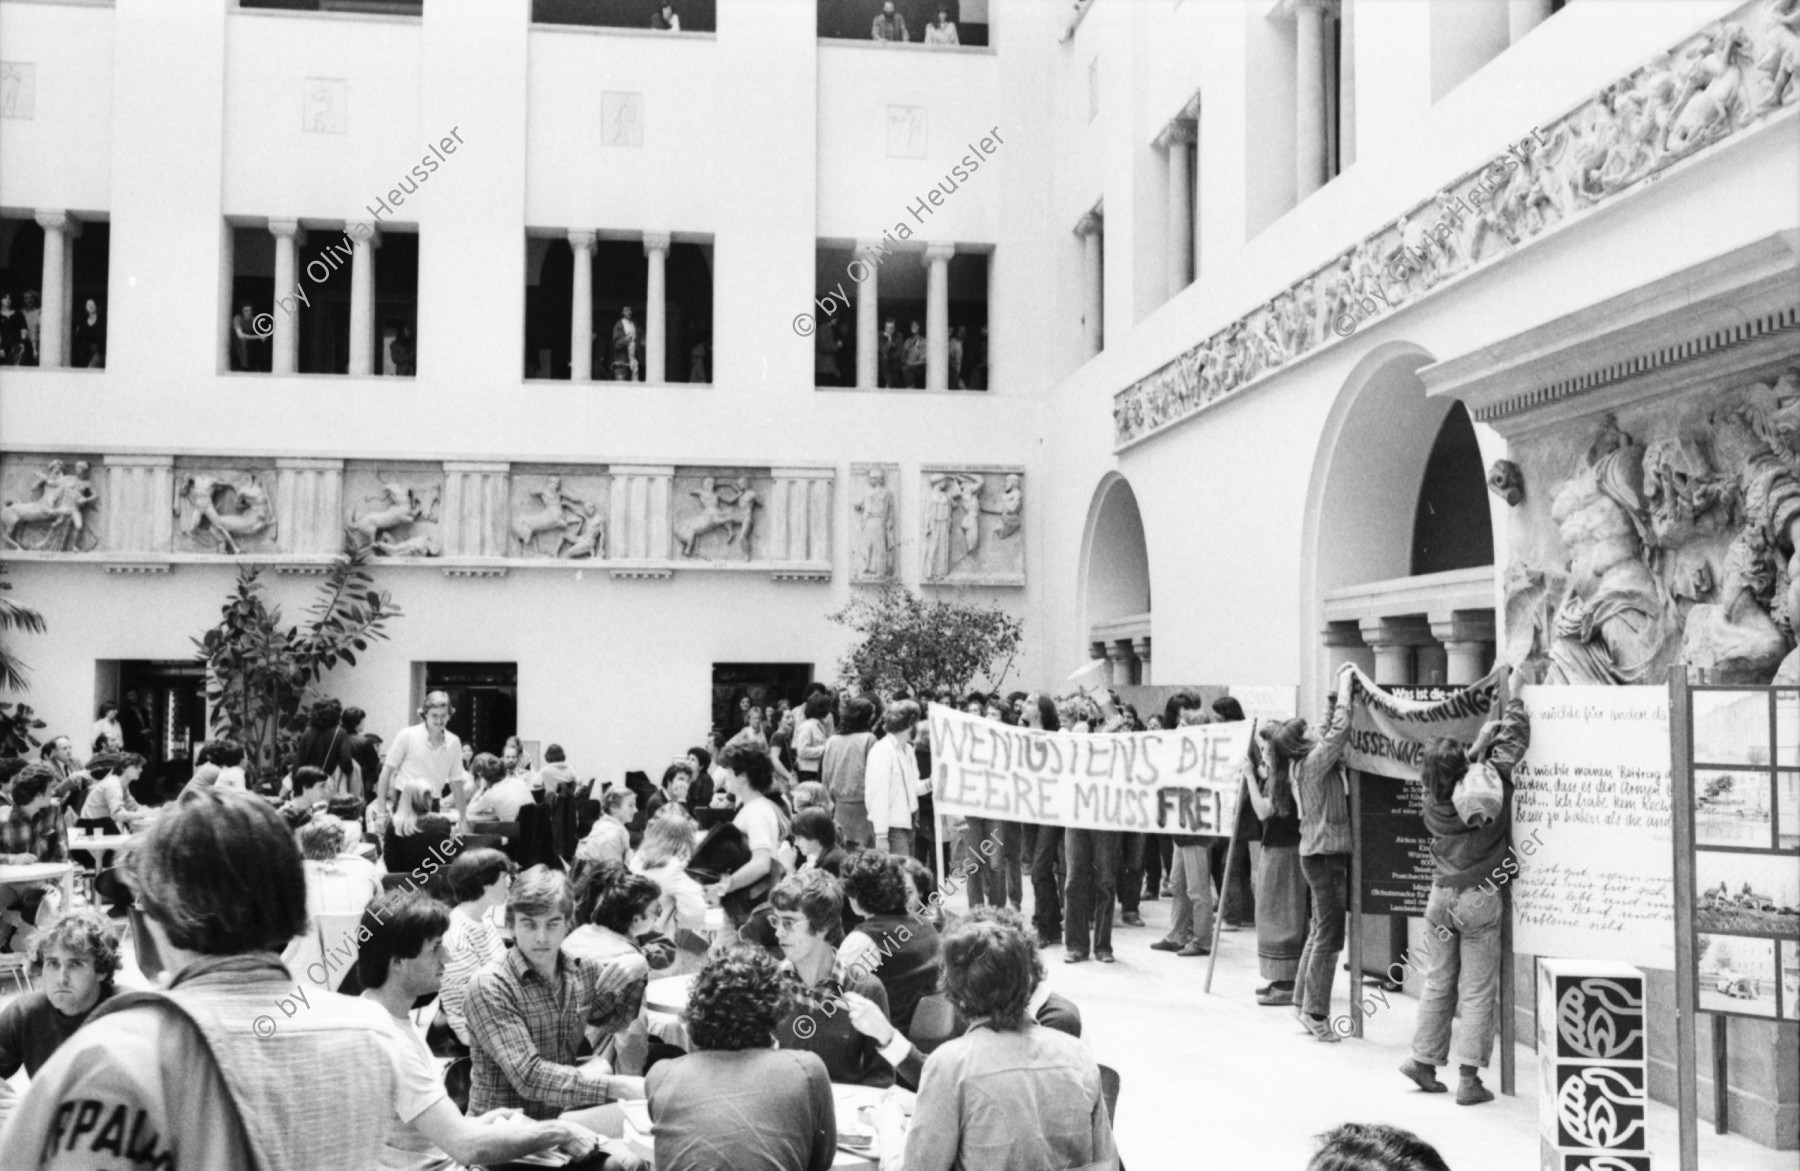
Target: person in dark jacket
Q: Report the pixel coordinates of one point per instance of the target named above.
(324, 745)
(804, 909)
(1469, 854)
(902, 950)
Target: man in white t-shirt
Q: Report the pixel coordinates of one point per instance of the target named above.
(427, 751)
(428, 1132)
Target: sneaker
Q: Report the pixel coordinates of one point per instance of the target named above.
(1167, 945)
(1150, 893)
(1275, 997)
(1195, 948)
(1133, 919)
(1075, 957)
(1470, 1092)
(1423, 1076)
(1323, 1031)
(1165, 889)
(1106, 957)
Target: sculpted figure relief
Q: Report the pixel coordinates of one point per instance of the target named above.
(393, 508)
(880, 518)
(1012, 507)
(730, 507)
(61, 499)
(579, 530)
(197, 507)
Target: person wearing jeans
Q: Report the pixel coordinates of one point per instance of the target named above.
(1322, 794)
(1470, 827)
(891, 784)
(1190, 877)
(1046, 888)
(1093, 864)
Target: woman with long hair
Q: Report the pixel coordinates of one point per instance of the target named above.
(1281, 894)
(415, 831)
(843, 770)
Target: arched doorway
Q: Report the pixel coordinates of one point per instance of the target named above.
(1399, 536)
(1115, 582)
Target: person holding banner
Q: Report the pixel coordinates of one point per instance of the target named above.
(1469, 814)
(1038, 711)
(1190, 875)
(1280, 886)
(1322, 793)
(1092, 859)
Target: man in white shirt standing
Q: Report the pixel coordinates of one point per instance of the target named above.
(891, 782)
(429, 752)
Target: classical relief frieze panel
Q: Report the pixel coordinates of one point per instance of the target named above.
(225, 506)
(721, 514)
(559, 511)
(1729, 77)
(52, 504)
(874, 523)
(1669, 532)
(394, 509)
(972, 525)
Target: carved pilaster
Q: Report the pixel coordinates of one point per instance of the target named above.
(639, 520)
(474, 517)
(140, 494)
(800, 515)
(309, 502)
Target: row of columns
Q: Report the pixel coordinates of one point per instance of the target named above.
(937, 314)
(1181, 210)
(1450, 650)
(1130, 659)
(290, 237)
(581, 306)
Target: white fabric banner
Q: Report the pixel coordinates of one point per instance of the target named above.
(1181, 780)
(1591, 827)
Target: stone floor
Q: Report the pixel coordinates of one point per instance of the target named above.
(1216, 1081)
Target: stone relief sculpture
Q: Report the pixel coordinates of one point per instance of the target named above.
(576, 523)
(385, 522)
(216, 511)
(730, 507)
(1685, 549)
(1505, 481)
(1712, 85)
(56, 512)
(959, 546)
(877, 528)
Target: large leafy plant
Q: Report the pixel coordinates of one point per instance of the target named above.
(260, 675)
(920, 645)
(16, 719)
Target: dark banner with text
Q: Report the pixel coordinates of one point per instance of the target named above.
(1180, 780)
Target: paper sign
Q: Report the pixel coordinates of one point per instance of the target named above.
(1593, 797)
(1181, 780)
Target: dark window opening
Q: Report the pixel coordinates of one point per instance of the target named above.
(320, 307)
(22, 279)
(900, 288)
(484, 701)
(362, 7)
(1451, 525)
(694, 16)
(163, 718)
(854, 20)
(620, 276)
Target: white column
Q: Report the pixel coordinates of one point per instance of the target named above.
(286, 356)
(1119, 651)
(60, 230)
(868, 314)
(1468, 640)
(581, 309)
(1093, 288)
(656, 321)
(937, 315)
(1142, 647)
(362, 297)
(1524, 15)
(1179, 249)
(1393, 641)
(1309, 97)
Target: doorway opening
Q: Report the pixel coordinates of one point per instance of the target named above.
(738, 687)
(484, 701)
(162, 712)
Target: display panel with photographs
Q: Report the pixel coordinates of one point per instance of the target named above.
(1743, 758)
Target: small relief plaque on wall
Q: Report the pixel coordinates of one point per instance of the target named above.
(18, 90)
(621, 118)
(906, 132)
(324, 105)
(972, 526)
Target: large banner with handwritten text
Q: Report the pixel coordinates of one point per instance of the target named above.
(1592, 827)
(1388, 734)
(1180, 780)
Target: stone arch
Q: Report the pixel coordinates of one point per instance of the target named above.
(1115, 560)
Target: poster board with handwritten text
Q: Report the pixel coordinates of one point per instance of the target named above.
(1592, 828)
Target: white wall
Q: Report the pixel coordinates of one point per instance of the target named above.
(62, 156)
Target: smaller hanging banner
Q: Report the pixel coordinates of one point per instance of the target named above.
(1177, 780)
(1388, 734)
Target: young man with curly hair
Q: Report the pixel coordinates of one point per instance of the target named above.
(75, 960)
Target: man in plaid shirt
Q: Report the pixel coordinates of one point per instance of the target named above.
(30, 831)
(527, 1011)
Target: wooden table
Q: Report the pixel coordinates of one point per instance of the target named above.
(33, 873)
